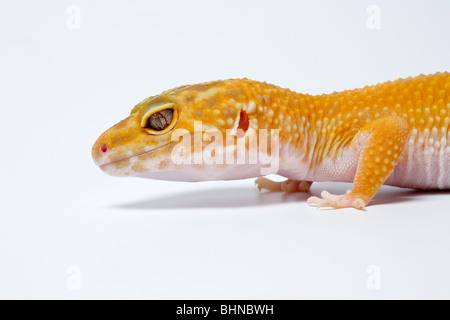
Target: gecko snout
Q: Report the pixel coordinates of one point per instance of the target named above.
(100, 151)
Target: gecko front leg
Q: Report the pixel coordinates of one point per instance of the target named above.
(383, 143)
(285, 186)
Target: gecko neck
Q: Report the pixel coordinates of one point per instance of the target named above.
(307, 128)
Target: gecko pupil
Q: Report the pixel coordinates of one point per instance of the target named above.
(160, 120)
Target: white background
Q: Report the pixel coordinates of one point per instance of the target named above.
(135, 238)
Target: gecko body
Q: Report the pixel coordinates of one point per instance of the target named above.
(394, 133)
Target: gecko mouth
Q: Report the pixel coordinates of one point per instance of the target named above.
(105, 165)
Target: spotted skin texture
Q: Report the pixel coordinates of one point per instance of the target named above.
(384, 141)
(393, 133)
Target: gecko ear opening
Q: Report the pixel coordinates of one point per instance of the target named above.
(241, 124)
(243, 121)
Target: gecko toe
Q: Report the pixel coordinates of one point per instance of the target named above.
(320, 202)
(348, 200)
(288, 186)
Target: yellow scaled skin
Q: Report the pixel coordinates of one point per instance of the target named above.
(401, 125)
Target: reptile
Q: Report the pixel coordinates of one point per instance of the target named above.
(394, 133)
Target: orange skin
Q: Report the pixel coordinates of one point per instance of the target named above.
(374, 135)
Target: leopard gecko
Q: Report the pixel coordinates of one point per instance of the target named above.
(394, 133)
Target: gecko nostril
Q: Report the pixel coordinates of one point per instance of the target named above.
(104, 148)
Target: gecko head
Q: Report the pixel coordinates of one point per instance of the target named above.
(181, 135)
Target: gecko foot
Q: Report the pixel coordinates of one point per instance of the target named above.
(285, 186)
(347, 200)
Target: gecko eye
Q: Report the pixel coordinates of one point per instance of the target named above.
(159, 120)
